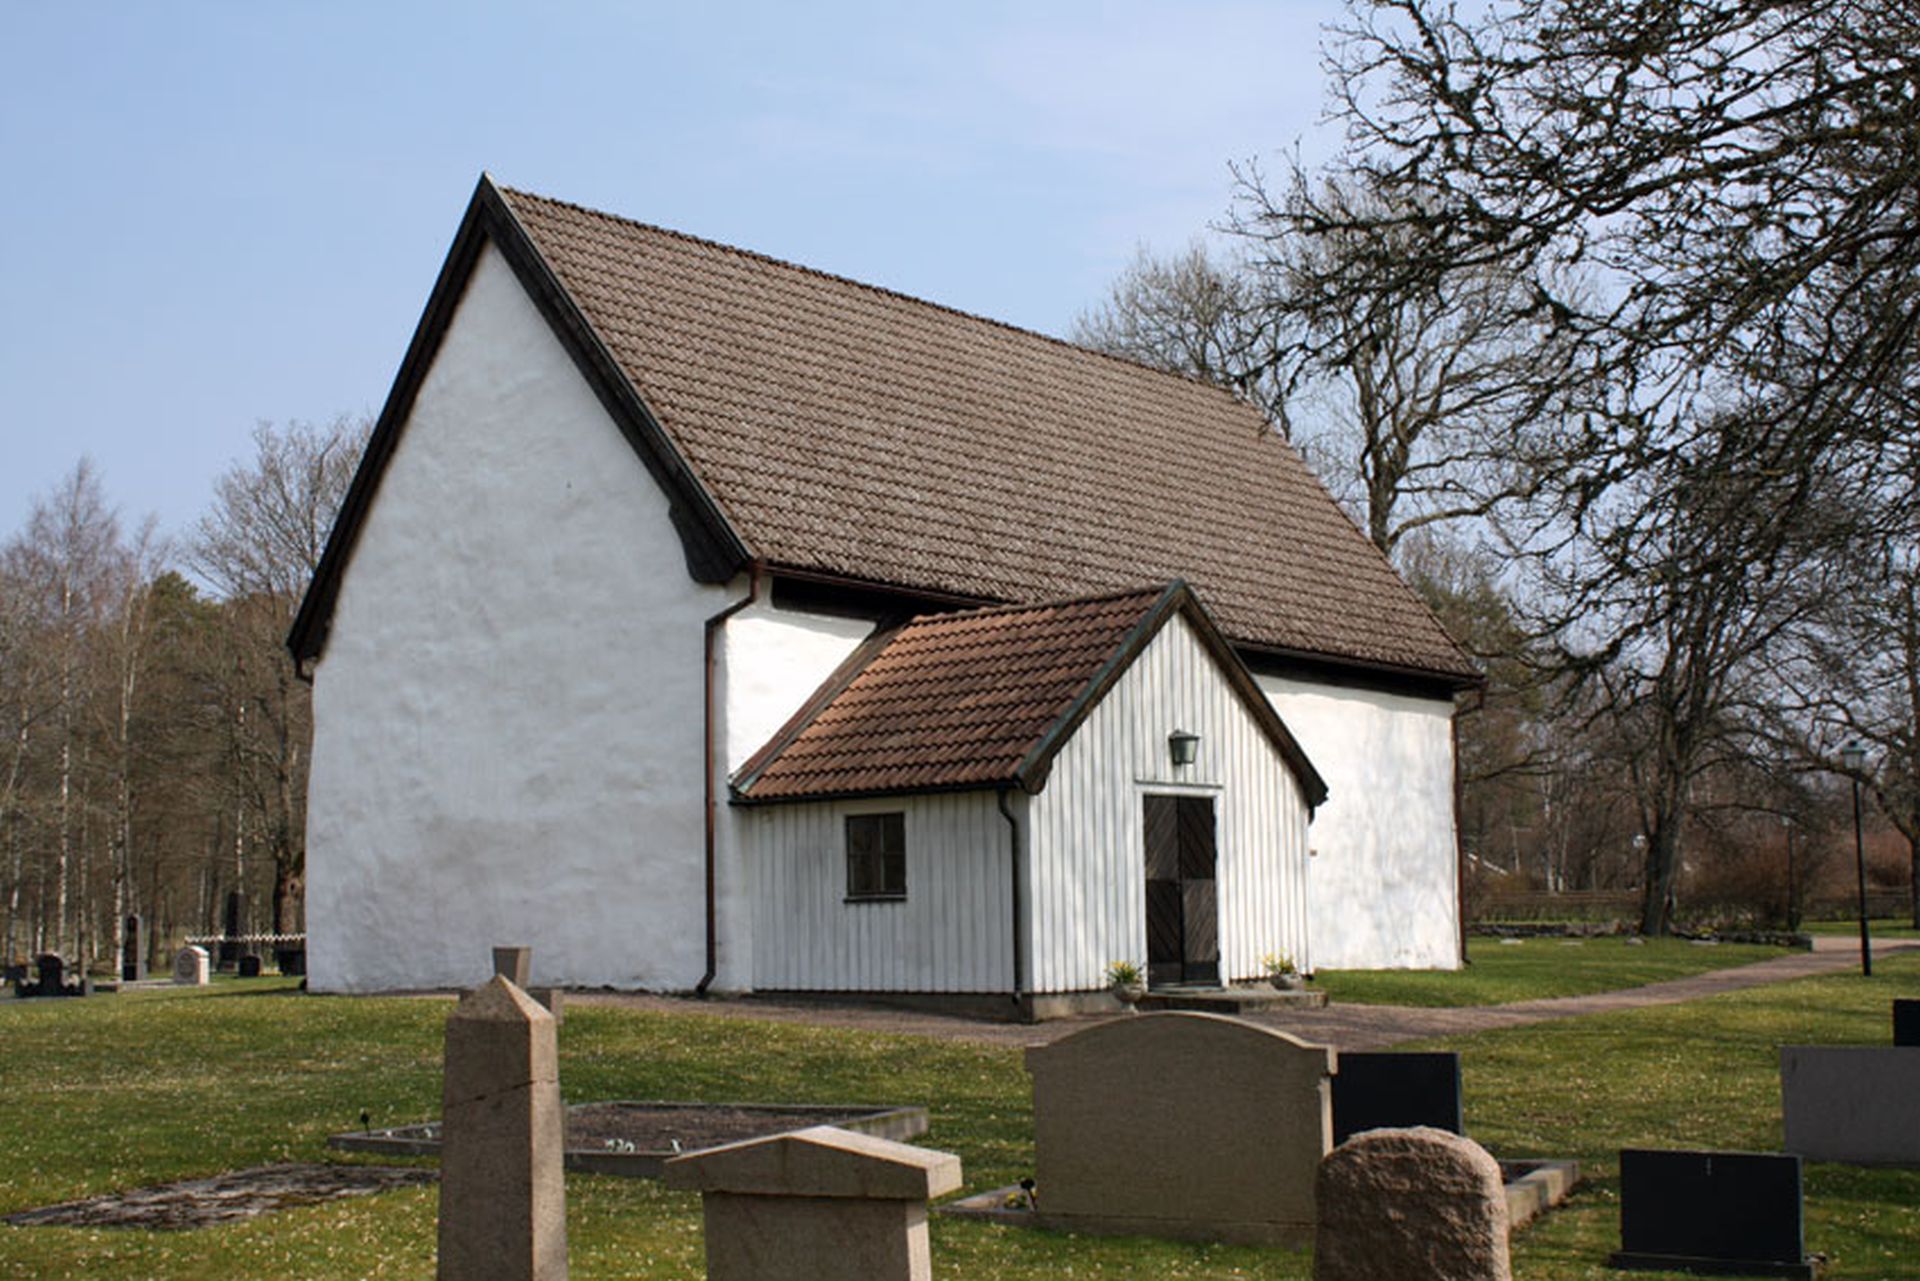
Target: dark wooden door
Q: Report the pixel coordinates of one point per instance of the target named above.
(1183, 908)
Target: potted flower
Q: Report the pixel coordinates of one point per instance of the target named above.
(1281, 971)
(1123, 977)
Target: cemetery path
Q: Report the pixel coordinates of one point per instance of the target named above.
(1346, 1027)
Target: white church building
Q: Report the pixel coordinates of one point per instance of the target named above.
(706, 622)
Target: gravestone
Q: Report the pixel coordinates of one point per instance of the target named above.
(1193, 1126)
(191, 966)
(1414, 1203)
(823, 1203)
(50, 974)
(503, 1210)
(290, 959)
(1729, 1212)
(16, 975)
(514, 964)
(1854, 1103)
(1906, 1023)
(1384, 1090)
(250, 965)
(133, 952)
(235, 926)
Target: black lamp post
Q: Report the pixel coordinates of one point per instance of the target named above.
(1854, 757)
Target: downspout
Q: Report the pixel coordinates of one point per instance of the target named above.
(1459, 837)
(714, 626)
(1013, 881)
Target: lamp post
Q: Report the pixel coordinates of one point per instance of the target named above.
(1854, 757)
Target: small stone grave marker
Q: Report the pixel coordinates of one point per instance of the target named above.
(822, 1203)
(1411, 1203)
(1386, 1090)
(503, 1210)
(1906, 1023)
(1726, 1212)
(1854, 1103)
(1193, 1126)
(191, 966)
(250, 966)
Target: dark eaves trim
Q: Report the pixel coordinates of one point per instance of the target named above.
(714, 551)
(1358, 673)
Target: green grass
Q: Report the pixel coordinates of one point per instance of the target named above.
(122, 1091)
(1529, 969)
(1876, 929)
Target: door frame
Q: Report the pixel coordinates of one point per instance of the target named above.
(1210, 971)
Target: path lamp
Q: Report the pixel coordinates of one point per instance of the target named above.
(1854, 757)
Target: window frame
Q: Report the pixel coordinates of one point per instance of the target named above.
(884, 823)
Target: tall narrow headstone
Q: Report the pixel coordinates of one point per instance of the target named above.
(230, 936)
(133, 952)
(1417, 1202)
(503, 1211)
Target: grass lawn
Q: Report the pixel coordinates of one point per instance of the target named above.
(121, 1091)
(1527, 969)
(1890, 928)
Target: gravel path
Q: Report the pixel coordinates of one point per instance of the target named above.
(1347, 1027)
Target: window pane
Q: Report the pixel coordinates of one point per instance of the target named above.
(876, 855)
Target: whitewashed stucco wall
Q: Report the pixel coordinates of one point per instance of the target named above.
(508, 716)
(769, 661)
(1384, 887)
(952, 933)
(1087, 839)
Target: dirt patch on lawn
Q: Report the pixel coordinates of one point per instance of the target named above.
(224, 1198)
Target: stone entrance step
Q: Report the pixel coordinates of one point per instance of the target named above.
(1230, 1000)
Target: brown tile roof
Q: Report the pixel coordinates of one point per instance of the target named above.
(980, 699)
(845, 430)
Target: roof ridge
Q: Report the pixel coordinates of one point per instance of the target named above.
(882, 290)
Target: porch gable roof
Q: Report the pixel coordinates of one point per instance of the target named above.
(984, 699)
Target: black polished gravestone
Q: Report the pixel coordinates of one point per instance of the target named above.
(1720, 1213)
(250, 966)
(50, 978)
(230, 937)
(133, 953)
(1373, 1091)
(1906, 1022)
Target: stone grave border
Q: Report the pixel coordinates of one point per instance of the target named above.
(879, 1120)
(1533, 1187)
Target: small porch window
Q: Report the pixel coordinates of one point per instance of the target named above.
(876, 856)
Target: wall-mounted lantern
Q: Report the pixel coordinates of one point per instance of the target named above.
(1183, 747)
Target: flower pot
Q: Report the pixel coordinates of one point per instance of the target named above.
(1129, 993)
(1288, 982)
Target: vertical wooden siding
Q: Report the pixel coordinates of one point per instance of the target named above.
(951, 934)
(1087, 860)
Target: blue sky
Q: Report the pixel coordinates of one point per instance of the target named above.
(222, 213)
